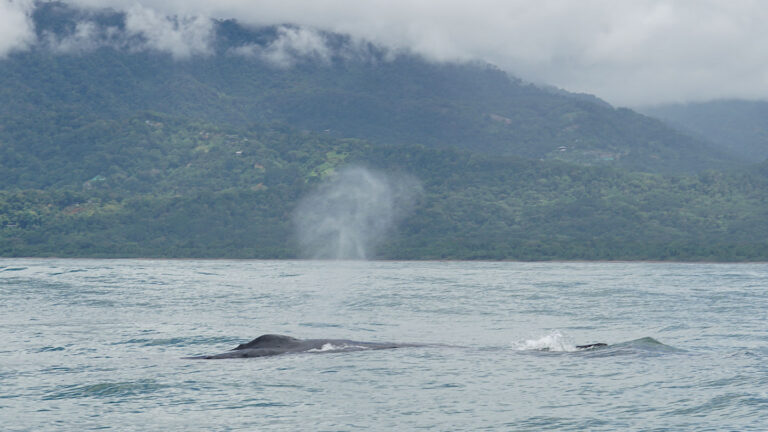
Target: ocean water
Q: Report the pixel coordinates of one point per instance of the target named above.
(100, 345)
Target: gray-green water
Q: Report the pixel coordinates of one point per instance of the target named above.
(98, 344)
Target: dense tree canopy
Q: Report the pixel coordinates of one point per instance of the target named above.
(157, 186)
(108, 152)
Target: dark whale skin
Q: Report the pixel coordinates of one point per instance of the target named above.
(592, 346)
(272, 345)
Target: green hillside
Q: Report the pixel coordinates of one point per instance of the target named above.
(739, 127)
(113, 152)
(368, 95)
(162, 187)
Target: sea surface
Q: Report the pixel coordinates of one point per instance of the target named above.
(101, 345)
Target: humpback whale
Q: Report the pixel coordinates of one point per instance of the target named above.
(273, 344)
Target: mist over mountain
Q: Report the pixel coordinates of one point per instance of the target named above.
(629, 53)
(91, 65)
(128, 133)
(737, 126)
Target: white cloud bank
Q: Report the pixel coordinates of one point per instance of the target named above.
(630, 52)
(291, 46)
(145, 29)
(16, 30)
(180, 35)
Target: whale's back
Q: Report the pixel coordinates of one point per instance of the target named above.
(273, 344)
(270, 341)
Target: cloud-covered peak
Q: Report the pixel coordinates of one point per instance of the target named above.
(181, 36)
(137, 28)
(291, 45)
(628, 52)
(68, 30)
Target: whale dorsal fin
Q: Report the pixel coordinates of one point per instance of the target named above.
(269, 341)
(591, 346)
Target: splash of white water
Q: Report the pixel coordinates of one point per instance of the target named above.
(554, 341)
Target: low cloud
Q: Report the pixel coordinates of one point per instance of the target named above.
(16, 29)
(292, 45)
(628, 52)
(181, 36)
(87, 36)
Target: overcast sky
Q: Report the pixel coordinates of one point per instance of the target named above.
(629, 53)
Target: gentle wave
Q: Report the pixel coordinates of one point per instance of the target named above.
(50, 349)
(124, 335)
(7, 269)
(105, 390)
(177, 341)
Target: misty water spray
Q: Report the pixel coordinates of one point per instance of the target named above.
(352, 212)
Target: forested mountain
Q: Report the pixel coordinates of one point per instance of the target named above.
(737, 126)
(348, 88)
(110, 150)
(156, 186)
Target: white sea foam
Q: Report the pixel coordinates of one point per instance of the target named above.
(325, 347)
(329, 347)
(554, 341)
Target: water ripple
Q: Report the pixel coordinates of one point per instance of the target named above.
(91, 344)
(105, 390)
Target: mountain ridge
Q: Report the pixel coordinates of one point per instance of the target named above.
(738, 126)
(350, 89)
(117, 149)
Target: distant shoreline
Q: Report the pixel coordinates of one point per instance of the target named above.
(558, 261)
